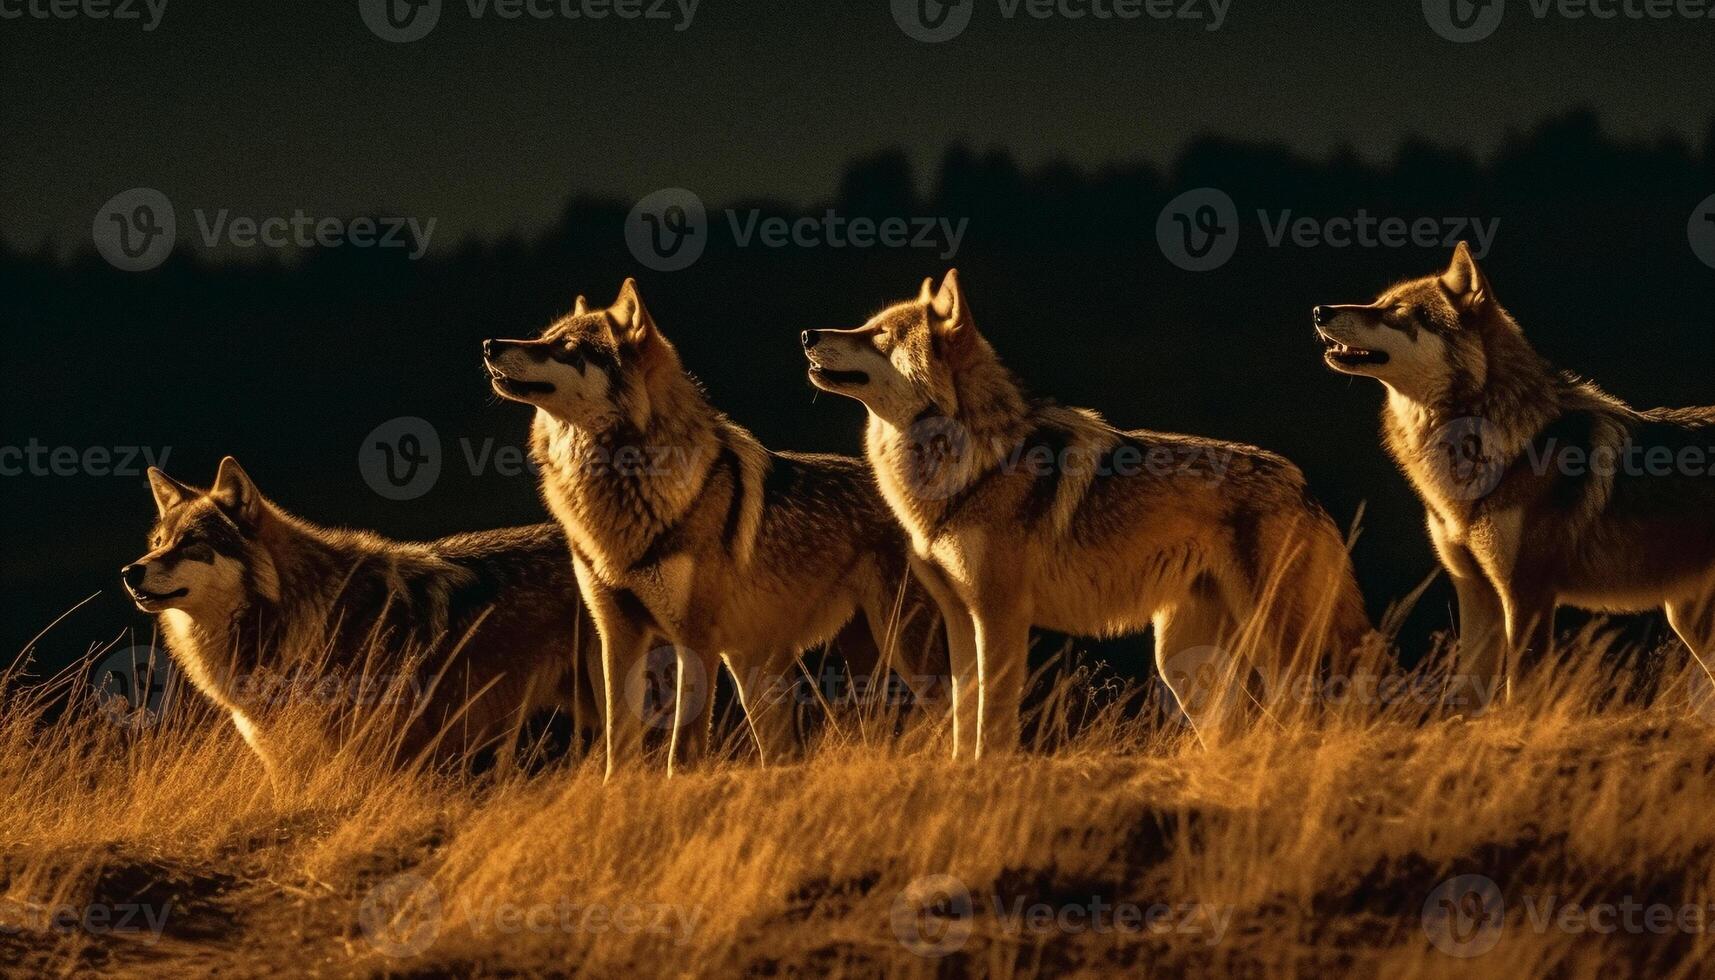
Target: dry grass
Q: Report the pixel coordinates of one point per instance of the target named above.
(1312, 843)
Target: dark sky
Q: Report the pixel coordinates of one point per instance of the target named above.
(487, 124)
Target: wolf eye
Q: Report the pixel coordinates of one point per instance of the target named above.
(197, 551)
(570, 354)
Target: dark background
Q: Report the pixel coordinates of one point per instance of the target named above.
(528, 142)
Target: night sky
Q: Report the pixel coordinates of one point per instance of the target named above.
(488, 124)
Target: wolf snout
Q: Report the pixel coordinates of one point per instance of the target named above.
(1322, 315)
(809, 338)
(132, 575)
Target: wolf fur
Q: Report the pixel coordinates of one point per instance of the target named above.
(685, 530)
(1024, 513)
(474, 632)
(1539, 487)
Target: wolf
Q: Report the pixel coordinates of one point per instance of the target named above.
(684, 528)
(1540, 488)
(467, 635)
(1023, 513)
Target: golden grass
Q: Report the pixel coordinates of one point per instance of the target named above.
(1309, 844)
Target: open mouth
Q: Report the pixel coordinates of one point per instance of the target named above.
(1345, 355)
(147, 600)
(828, 376)
(518, 387)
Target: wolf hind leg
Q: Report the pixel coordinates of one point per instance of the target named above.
(766, 695)
(1209, 681)
(1694, 621)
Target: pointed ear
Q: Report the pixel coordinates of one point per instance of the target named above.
(169, 493)
(949, 302)
(926, 294)
(1464, 282)
(632, 322)
(234, 493)
(581, 307)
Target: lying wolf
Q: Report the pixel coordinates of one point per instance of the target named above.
(464, 637)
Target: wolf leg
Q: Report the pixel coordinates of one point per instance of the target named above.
(693, 709)
(962, 676)
(624, 644)
(1003, 660)
(1482, 626)
(1206, 679)
(1482, 642)
(769, 707)
(1694, 621)
(1530, 632)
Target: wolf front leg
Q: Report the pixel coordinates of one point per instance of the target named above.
(1482, 627)
(962, 679)
(1003, 660)
(624, 644)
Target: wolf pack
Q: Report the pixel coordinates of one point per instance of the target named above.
(976, 514)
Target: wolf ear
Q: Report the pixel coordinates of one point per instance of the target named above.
(926, 295)
(949, 301)
(580, 307)
(169, 493)
(950, 316)
(235, 494)
(632, 322)
(1464, 282)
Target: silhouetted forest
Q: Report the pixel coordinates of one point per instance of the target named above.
(288, 363)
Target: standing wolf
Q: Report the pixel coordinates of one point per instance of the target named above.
(1027, 514)
(467, 635)
(1540, 488)
(684, 528)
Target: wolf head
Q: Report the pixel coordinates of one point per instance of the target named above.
(910, 358)
(590, 368)
(203, 552)
(1424, 338)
